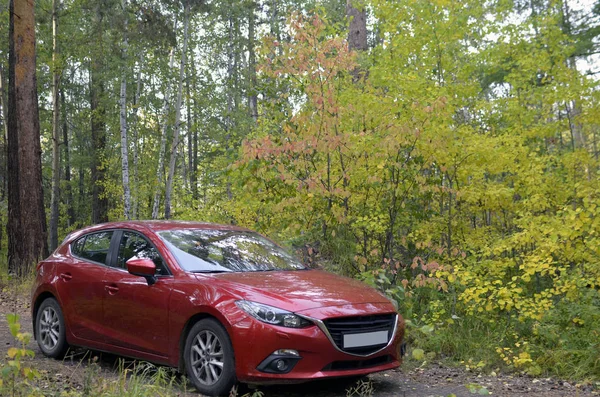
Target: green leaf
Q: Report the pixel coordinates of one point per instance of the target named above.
(418, 354)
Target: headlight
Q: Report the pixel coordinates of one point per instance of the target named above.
(272, 315)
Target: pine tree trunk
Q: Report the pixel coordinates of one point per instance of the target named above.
(27, 233)
(3, 148)
(357, 34)
(163, 143)
(3, 104)
(55, 195)
(70, 204)
(175, 142)
(123, 125)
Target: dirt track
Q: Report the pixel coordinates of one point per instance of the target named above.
(431, 381)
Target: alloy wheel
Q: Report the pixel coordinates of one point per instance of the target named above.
(207, 357)
(49, 328)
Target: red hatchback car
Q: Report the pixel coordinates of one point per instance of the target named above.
(221, 303)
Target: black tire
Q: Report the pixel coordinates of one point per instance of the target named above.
(211, 368)
(50, 331)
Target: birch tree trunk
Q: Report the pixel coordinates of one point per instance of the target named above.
(134, 128)
(252, 97)
(163, 143)
(123, 124)
(177, 128)
(55, 195)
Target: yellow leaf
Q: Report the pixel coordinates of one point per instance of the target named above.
(12, 352)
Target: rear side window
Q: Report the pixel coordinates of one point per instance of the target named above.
(93, 247)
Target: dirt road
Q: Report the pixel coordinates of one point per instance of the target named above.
(434, 380)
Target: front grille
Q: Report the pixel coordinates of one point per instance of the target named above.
(357, 364)
(338, 327)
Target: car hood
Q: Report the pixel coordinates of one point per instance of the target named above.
(299, 290)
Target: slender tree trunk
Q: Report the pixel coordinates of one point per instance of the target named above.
(3, 103)
(123, 125)
(252, 96)
(190, 137)
(177, 128)
(27, 233)
(98, 125)
(134, 127)
(195, 142)
(573, 108)
(163, 143)
(55, 196)
(3, 149)
(69, 191)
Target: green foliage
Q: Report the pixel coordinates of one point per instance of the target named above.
(454, 165)
(16, 376)
(470, 200)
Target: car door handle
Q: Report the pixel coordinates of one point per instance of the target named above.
(112, 289)
(66, 276)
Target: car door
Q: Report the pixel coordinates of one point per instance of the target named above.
(137, 313)
(80, 287)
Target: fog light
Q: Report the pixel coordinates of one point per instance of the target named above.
(281, 365)
(286, 352)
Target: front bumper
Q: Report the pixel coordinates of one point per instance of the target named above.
(254, 341)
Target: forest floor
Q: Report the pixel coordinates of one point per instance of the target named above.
(75, 371)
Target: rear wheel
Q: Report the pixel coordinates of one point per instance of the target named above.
(208, 357)
(50, 329)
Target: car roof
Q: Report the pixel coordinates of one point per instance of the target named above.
(154, 226)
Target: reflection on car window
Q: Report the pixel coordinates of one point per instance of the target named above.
(77, 246)
(133, 245)
(199, 250)
(93, 247)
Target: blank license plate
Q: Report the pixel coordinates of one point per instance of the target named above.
(366, 339)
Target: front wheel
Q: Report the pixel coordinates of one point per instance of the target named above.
(50, 329)
(208, 357)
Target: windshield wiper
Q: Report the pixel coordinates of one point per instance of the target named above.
(211, 271)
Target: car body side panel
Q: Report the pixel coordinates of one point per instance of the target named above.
(204, 298)
(79, 285)
(136, 314)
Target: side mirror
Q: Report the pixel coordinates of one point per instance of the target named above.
(142, 267)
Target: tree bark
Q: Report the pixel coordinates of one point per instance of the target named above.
(252, 97)
(70, 204)
(134, 127)
(3, 104)
(163, 143)
(55, 195)
(27, 233)
(177, 128)
(123, 125)
(357, 34)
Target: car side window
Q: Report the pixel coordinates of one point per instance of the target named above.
(77, 246)
(133, 245)
(93, 247)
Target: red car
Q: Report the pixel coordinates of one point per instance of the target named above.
(221, 303)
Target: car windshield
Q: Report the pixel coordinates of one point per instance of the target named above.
(219, 251)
